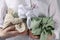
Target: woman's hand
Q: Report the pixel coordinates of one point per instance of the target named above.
(8, 32)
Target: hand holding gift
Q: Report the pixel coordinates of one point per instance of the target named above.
(12, 18)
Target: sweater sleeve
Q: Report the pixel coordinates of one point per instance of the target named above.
(3, 9)
(54, 10)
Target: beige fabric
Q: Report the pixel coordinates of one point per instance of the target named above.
(11, 18)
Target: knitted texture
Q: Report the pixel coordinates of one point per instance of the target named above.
(12, 18)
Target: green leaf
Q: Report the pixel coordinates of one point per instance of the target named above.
(50, 24)
(36, 31)
(43, 36)
(45, 20)
(35, 22)
(50, 20)
(50, 27)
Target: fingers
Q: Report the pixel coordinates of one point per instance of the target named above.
(1, 29)
(13, 33)
(9, 28)
(7, 32)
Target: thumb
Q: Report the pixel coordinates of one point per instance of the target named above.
(9, 28)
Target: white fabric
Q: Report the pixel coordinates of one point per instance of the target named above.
(3, 8)
(41, 9)
(27, 11)
(13, 4)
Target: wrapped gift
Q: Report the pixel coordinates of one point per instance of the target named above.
(12, 18)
